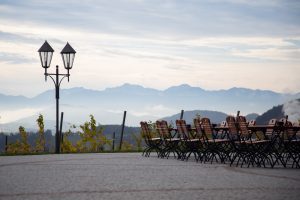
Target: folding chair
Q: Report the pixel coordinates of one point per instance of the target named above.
(222, 133)
(291, 145)
(153, 143)
(215, 148)
(170, 142)
(189, 142)
(254, 150)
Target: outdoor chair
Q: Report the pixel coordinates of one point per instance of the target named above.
(215, 147)
(276, 147)
(239, 149)
(232, 135)
(190, 143)
(222, 133)
(202, 151)
(153, 143)
(254, 149)
(291, 145)
(171, 143)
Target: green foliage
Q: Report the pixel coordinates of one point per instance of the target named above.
(126, 146)
(138, 141)
(20, 146)
(92, 138)
(40, 142)
(67, 146)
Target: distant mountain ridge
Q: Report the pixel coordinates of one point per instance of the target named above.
(214, 116)
(141, 103)
(291, 109)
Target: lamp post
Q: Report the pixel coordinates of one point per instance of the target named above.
(68, 55)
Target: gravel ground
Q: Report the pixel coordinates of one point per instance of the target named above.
(132, 176)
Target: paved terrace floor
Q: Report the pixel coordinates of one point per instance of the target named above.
(132, 176)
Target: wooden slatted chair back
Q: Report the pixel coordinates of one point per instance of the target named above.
(182, 129)
(243, 126)
(231, 124)
(145, 130)
(197, 124)
(271, 128)
(163, 129)
(232, 129)
(207, 128)
(198, 127)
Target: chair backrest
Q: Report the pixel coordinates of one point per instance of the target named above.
(163, 129)
(232, 129)
(146, 132)
(207, 128)
(182, 129)
(290, 133)
(270, 130)
(252, 123)
(243, 126)
(231, 124)
(198, 127)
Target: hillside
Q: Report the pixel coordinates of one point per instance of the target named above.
(275, 112)
(290, 108)
(214, 116)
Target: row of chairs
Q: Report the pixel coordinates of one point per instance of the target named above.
(234, 141)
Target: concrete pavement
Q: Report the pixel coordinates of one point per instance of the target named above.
(132, 176)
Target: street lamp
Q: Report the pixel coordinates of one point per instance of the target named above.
(68, 55)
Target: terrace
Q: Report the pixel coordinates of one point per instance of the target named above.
(132, 176)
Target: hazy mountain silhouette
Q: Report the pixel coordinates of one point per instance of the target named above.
(281, 111)
(144, 103)
(214, 116)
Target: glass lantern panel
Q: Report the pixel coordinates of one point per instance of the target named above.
(46, 59)
(68, 59)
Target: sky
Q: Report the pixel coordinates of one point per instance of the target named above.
(212, 44)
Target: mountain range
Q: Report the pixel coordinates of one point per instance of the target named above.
(140, 103)
(214, 116)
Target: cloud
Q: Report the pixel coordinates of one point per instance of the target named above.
(158, 19)
(292, 109)
(11, 37)
(143, 41)
(13, 115)
(14, 58)
(139, 55)
(275, 54)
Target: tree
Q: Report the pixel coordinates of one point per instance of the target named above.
(40, 142)
(25, 147)
(67, 145)
(20, 146)
(126, 146)
(92, 137)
